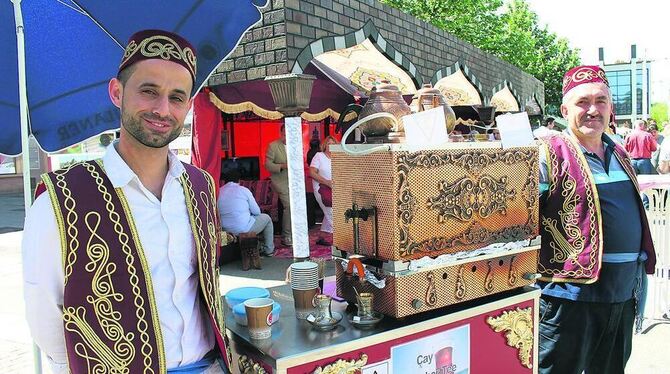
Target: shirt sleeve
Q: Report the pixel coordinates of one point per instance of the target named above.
(43, 281)
(270, 160)
(316, 161)
(652, 143)
(254, 209)
(664, 154)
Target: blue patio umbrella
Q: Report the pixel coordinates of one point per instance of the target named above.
(73, 48)
(57, 56)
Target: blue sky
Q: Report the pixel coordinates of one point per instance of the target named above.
(614, 25)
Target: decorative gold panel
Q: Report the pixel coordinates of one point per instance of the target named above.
(416, 292)
(518, 327)
(344, 366)
(249, 366)
(439, 201)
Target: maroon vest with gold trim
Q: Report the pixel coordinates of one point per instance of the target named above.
(570, 216)
(109, 312)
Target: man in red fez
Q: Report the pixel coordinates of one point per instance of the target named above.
(119, 254)
(592, 262)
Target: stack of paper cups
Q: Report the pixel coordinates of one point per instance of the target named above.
(305, 285)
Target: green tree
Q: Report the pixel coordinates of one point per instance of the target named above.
(511, 33)
(659, 112)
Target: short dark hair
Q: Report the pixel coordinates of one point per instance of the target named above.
(125, 74)
(231, 175)
(549, 120)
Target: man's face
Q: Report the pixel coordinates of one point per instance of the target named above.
(550, 125)
(154, 102)
(587, 109)
(282, 135)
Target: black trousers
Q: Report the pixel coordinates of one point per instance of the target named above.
(578, 337)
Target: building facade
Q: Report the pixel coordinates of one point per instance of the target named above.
(629, 85)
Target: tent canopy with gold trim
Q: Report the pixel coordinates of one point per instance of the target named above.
(343, 76)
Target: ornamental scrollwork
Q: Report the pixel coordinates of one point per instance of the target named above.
(518, 327)
(344, 366)
(431, 292)
(480, 198)
(474, 234)
(466, 197)
(249, 366)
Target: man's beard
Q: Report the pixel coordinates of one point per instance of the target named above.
(133, 126)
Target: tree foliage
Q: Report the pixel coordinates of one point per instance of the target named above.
(659, 112)
(509, 31)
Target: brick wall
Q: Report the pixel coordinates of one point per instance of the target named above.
(288, 26)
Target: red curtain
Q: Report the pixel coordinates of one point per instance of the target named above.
(206, 131)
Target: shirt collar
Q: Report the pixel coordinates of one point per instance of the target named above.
(120, 174)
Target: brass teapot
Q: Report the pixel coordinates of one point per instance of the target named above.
(429, 97)
(384, 98)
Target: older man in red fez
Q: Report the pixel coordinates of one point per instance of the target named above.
(119, 253)
(592, 261)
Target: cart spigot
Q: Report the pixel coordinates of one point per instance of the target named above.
(356, 261)
(355, 214)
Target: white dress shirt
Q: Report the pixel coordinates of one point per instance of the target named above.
(165, 233)
(236, 208)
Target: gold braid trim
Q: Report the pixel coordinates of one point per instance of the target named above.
(565, 249)
(66, 226)
(248, 106)
(161, 46)
(60, 225)
(138, 300)
(147, 280)
(214, 240)
(205, 273)
(98, 356)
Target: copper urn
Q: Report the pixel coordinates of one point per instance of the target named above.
(384, 98)
(429, 97)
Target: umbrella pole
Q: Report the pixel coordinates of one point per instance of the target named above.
(25, 152)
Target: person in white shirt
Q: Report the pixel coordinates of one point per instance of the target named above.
(547, 129)
(320, 171)
(664, 157)
(117, 255)
(240, 212)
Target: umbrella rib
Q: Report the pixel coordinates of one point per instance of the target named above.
(79, 89)
(188, 14)
(8, 104)
(71, 7)
(86, 12)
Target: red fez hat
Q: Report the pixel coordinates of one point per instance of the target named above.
(162, 45)
(583, 74)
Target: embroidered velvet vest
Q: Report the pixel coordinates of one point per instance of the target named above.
(570, 216)
(109, 312)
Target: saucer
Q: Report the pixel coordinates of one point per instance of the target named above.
(324, 325)
(365, 322)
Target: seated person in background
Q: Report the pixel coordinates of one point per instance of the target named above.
(549, 128)
(240, 213)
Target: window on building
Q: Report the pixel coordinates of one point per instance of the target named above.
(639, 90)
(620, 87)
